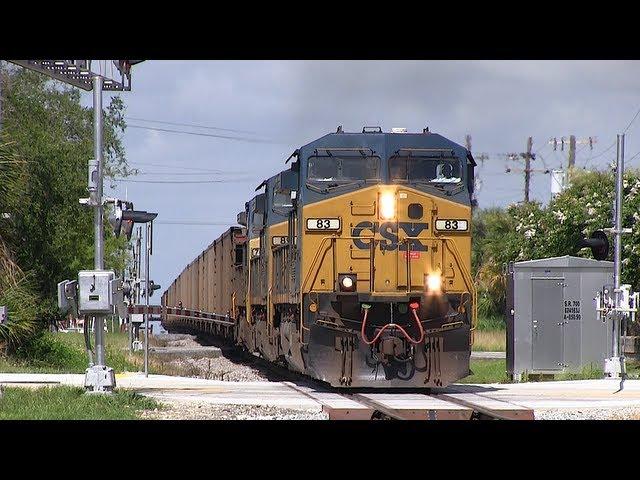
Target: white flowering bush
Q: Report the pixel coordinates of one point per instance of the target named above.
(531, 231)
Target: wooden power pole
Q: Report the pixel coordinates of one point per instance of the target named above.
(572, 151)
(527, 169)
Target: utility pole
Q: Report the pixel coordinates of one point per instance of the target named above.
(527, 170)
(528, 156)
(572, 146)
(572, 151)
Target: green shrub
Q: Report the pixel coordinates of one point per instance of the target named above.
(46, 350)
(491, 323)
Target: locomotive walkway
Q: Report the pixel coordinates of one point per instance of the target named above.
(455, 402)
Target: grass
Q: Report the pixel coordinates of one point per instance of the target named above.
(490, 335)
(487, 371)
(494, 371)
(489, 341)
(71, 403)
(65, 353)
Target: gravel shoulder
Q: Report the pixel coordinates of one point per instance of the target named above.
(629, 413)
(231, 368)
(202, 411)
(226, 368)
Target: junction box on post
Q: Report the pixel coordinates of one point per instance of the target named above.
(98, 294)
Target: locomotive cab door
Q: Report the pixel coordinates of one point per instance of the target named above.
(411, 254)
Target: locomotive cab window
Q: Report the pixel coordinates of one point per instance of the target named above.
(330, 170)
(434, 170)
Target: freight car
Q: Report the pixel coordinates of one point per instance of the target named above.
(353, 265)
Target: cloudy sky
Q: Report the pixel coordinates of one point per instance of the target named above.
(273, 107)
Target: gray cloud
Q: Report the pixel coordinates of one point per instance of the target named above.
(499, 103)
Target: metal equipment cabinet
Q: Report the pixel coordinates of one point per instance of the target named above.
(551, 318)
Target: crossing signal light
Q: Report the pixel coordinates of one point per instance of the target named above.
(598, 243)
(117, 218)
(124, 216)
(153, 287)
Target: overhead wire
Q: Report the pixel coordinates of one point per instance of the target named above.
(226, 180)
(213, 135)
(183, 167)
(186, 173)
(632, 120)
(192, 125)
(191, 222)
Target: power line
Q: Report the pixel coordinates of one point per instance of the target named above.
(634, 156)
(211, 170)
(186, 173)
(194, 125)
(604, 151)
(191, 222)
(183, 181)
(225, 137)
(632, 120)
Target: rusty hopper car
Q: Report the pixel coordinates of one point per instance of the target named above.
(214, 281)
(353, 266)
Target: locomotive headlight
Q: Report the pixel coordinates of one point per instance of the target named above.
(347, 282)
(434, 282)
(387, 205)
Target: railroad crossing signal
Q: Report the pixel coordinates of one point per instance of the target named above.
(124, 216)
(153, 287)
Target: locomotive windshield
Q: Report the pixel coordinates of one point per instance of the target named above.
(343, 169)
(436, 170)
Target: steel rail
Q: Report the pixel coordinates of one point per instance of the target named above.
(377, 406)
(476, 409)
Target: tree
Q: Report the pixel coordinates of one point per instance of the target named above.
(46, 141)
(530, 231)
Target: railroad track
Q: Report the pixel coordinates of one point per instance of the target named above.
(453, 403)
(449, 404)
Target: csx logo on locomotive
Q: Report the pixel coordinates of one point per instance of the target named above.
(389, 232)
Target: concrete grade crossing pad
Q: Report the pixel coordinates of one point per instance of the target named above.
(516, 399)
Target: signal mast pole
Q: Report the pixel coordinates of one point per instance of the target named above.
(616, 358)
(98, 227)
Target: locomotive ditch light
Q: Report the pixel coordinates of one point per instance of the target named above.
(387, 205)
(433, 282)
(347, 282)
